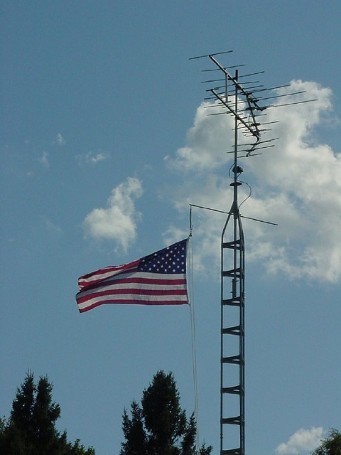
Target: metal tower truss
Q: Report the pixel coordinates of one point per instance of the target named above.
(235, 100)
(241, 100)
(232, 356)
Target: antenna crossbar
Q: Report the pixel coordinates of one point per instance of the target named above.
(229, 213)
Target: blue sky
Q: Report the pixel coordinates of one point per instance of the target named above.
(104, 143)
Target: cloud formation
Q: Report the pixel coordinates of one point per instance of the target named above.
(60, 139)
(44, 159)
(92, 158)
(302, 440)
(296, 184)
(95, 158)
(52, 227)
(118, 221)
(206, 142)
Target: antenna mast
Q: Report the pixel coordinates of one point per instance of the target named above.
(238, 102)
(241, 101)
(242, 105)
(232, 330)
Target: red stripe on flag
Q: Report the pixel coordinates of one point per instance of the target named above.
(134, 302)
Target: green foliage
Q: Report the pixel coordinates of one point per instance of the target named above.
(30, 429)
(159, 426)
(331, 445)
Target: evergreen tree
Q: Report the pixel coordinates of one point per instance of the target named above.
(331, 445)
(159, 426)
(30, 429)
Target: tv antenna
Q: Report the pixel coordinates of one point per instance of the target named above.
(246, 101)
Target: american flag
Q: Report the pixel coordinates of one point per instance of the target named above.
(156, 279)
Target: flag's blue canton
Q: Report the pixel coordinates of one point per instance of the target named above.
(169, 260)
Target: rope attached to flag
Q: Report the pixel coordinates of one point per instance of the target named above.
(193, 335)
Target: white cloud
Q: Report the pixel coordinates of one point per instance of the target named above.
(296, 184)
(92, 158)
(118, 221)
(206, 145)
(44, 159)
(96, 157)
(60, 139)
(302, 440)
(52, 227)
